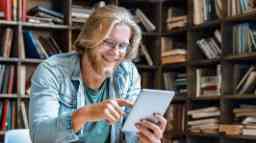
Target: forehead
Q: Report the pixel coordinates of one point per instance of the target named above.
(121, 33)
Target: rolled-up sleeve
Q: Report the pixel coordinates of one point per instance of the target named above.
(46, 125)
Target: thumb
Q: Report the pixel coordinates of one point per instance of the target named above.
(123, 102)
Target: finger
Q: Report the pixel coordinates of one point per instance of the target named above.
(147, 137)
(145, 131)
(162, 120)
(152, 127)
(143, 138)
(123, 102)
(117, 107)
(113, 111)
(109, 117)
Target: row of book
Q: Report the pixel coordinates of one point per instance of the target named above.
(175, 116)
(239, 7)
(9, 9)
(244, 38)
(205, 10)
(37, 44)
(175, 81)
(211, 46)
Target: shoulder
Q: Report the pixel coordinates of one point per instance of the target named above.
(126, 68)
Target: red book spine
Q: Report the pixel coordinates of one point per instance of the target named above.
(8, 9)
(24, 10)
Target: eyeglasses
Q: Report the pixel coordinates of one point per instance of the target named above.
(123, 46)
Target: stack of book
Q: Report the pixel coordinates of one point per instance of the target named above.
(80, 14)
(211, 46)
(44, 15)
(204, 120)
(208, 82)
(247, 114)
(176, 18)
(173, 52)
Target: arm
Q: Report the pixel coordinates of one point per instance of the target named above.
(45, 123)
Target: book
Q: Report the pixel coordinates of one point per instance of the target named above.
(145, 52)
(145, 21)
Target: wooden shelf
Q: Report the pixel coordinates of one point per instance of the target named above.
(174, 66)
(241, 58)
(203, 63)
(146, 67)
(31, 61)
(179, 98)
(240, 97)
(174, 134)
(178, 31)
(8, 23)
(151, 34)
(44, 26)
(216, 97)
(208, 135)
(8, 96)
(240, 18)
(244, 137)
(207, 24)
(9, 60)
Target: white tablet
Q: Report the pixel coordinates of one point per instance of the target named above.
(149, 101)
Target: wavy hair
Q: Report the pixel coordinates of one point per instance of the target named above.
(99, 26)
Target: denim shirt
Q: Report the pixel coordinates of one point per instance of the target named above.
(57, 90)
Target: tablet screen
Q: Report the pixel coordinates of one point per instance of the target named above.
(149, 101)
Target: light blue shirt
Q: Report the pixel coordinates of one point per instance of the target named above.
(57, 90)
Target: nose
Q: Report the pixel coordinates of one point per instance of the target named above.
(116, 50)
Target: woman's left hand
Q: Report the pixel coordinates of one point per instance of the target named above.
(151, 129)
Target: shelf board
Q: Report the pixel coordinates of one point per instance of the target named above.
(151, 33)
(207, 24)
(240, 97)
(179, 98)
(216, 97)
(8, 96)
(202, 63)
(240, 18)
(146, 67)
(9, 60)
(177, 31)
(245, 137)
(212, 135)
(241, 58)
(174, 134)
(9, 23)
(31, 61)
(43, 26)
(174, 66)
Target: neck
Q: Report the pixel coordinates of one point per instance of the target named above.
(89, 75)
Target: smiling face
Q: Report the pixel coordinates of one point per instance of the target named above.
(111, 51)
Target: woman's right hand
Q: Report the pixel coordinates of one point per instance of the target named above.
(108, 110)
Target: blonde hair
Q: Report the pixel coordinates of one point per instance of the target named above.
(99, 25)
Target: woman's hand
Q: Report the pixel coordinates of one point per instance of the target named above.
(109, 110)
(151, 129)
